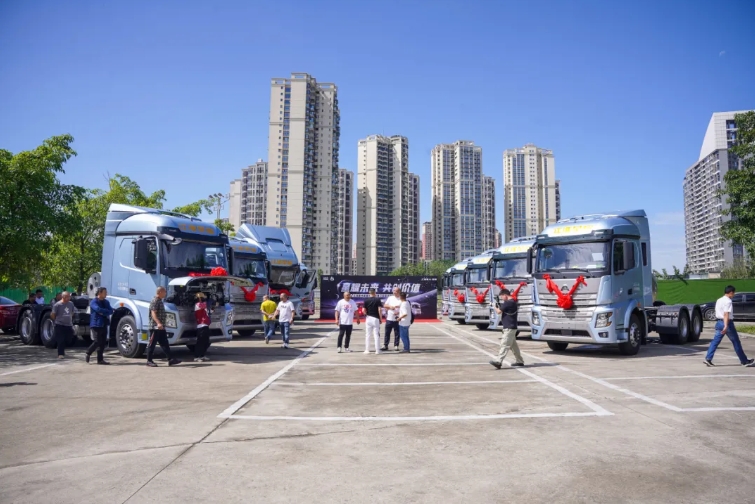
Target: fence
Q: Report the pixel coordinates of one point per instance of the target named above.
(21, 295)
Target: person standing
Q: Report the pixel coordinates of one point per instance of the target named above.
(285, 314)
(372, 307)
(392, 305)
(508, 310)
(57, 298)
(62, 315)
(725, 326)
(101, 311)
(268, 308)
(157, 329)
(202, 315)
(404, 321)
(346, 309)
(39, 297)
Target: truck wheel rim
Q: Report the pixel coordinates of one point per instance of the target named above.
(26, 328)
(126, 337)
(683, 328)
(47, 330)
(634, 335)
(697, 324)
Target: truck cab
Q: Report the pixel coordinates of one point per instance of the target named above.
(476, 290)
(284, 264)
(457, 294)
(304, 289)
(594, 284)
(508, 269)
(445, 293)
(249, 261)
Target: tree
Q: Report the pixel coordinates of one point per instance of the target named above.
(34, 207)
(664, 273)
(433, 268)
(739, 270)
(739, 186)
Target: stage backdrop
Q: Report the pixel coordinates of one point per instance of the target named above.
(421, 292)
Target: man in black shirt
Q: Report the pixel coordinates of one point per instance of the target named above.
(508, 311)
(372, 306)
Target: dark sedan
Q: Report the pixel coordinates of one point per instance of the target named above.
(744, 307)
(8, 315)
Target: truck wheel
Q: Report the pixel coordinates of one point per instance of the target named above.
(635, 337)
(305, 317)
(462, 321)
(682, 335)
(127, 338)
(696, 326)
(245, 333)
(27, 329)
(482, 327)
(47, 331)
(557, 346)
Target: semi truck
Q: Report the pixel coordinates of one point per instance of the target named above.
(508, 270)
(304, 288)
(146, 248)
(476, 289)
(594, 284)
(456, 293)
(284, 264)
(249, 261)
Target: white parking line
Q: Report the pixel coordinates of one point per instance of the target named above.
(440, 418)
(596, 408)
(254, 393)
(399, 384)
(407, 364)
(28, 369)
(679, 377)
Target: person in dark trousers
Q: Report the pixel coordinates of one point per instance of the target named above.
(508, 310)
(391, 319)
(725, 327)
(202, 314)
(346, 310)
(98, 325)
(30, 299)
(157, 329)
(404, 321)
(62, 315)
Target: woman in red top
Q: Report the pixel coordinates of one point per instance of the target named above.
(203, 329)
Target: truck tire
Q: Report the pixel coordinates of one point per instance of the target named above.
(47, 331)
(682, 331)
(305, 317)
(245, 333)
(27, 329)
(557, 346)
(635, 336)
(482, 327)
(127, 338)
(696, 326)
(461, 322)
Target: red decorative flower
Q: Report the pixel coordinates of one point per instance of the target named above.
(250, 295)
(565, 301)
(480, 296)
(514, 294)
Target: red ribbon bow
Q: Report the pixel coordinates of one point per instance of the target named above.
(280, 291)
(515, 294)
(564, 301)
(459, 296)
(213, 272)
(251, 294)
(479, 296)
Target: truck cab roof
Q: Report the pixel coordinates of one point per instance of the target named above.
(247, 246)
(276, 242)
(515, 248)
(632, 223)
(482, 260)
(131, 219)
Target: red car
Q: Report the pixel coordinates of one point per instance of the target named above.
(8, 315)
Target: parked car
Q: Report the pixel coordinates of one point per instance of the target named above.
(744, 307)
(9, 315)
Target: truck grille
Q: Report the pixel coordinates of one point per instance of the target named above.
(548, 299)
(556, 314)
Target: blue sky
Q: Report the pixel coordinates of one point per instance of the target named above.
(176, 94)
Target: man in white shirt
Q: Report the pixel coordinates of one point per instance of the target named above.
(39, 297)
(285, 314)
(391, 306)
(404, 321)
(346, 309)
(725, 326)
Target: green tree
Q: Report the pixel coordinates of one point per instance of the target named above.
(34, 207)
(664, 274)
(739, 186)
(739, 270)
(432, 268)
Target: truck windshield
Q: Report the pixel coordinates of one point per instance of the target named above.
(282, 277)
(573, 256)
(511, 268)
(457, 280)
(195, 256)
(477, 275)
(248, 267)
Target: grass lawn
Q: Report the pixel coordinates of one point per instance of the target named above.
(698, 291)
(749, 329)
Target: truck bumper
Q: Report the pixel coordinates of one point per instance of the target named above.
(455, 311)
(567, 330)
(476, 313)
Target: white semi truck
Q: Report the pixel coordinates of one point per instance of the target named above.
(594, 284)
(476, 289)
(508, 270)
(454, 278)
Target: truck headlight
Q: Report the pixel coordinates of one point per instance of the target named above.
(535, 318)
(229, 317)
(603, 319)
(170, 320)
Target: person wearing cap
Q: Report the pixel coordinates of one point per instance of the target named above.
(508, 310)
(202, 314)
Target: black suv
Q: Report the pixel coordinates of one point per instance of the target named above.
(744, 307)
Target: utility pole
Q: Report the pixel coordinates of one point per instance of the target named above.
(218, 201)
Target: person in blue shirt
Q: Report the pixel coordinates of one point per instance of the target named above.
(98, 324)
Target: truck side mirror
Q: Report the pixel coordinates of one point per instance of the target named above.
(142, 255)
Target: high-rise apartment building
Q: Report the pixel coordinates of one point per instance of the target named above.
(303, 147)
(248, 196)
(531, 192)
(427, 241)
(456, 179)
(704, 210)
(344, 221)
(488, 213)
(387, 206)
(498, 239)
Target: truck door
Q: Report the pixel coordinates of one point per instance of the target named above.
(627, 278)
(143, 276)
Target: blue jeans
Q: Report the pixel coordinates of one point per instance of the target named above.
(268, 328)
(403, 331)
(285, 327)
(731, 332)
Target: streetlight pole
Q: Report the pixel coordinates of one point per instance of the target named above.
(218, 201)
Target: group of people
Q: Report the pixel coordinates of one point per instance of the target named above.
(398, 318)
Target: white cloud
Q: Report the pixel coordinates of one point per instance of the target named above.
(668, 248)
(722, 54)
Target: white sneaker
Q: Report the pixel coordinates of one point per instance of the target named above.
(347, 350)
(205, 358)
(378, 352)
(339, 349)
(366, 351)
(198, 359)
